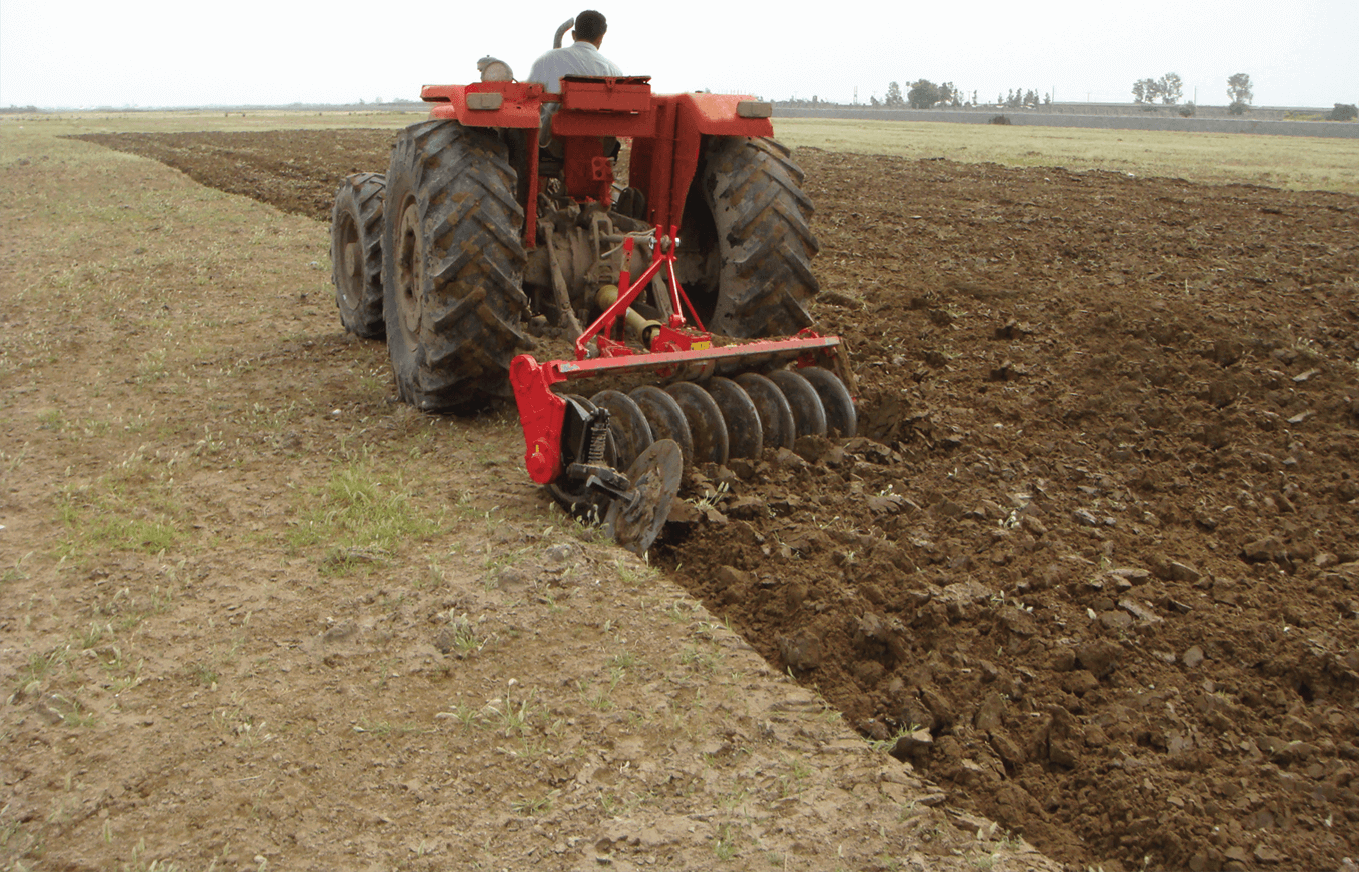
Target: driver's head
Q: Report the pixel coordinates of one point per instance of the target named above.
(590, 27)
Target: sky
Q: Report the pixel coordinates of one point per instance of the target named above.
(146, 53)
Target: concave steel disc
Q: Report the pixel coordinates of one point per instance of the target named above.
(706, 423)
(745, 436)
(627, 425)
(665, 417)
(808, 413)
(636, 520)
(776, 416)
(835, 399)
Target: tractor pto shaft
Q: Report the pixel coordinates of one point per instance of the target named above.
(640, 327)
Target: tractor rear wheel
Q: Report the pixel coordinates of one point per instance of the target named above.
(454, 266)
(764, 238)
(356, 253)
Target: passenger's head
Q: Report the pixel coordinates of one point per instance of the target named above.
(590, 26)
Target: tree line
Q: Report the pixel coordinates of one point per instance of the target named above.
(924, 94)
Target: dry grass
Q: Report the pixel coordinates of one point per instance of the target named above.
(1293, 162)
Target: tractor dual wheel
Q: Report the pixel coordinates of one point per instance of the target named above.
(453, 267)
(764, 239)
(356, 253)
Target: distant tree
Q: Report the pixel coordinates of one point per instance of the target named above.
(1343, 112)
(1188, 110)
(1047, 99)
(1014, 100)
(1146, 90)
(1239, 90)
(1171, 87)
(923, 94)
(873, 100)
(948, 94)
(894, 99)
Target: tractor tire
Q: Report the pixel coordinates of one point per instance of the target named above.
(764, 239)
(356, 253)
(454, 267)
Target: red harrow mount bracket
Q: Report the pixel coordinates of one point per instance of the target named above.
(565, 436)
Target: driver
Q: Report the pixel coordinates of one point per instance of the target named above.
(580, 59)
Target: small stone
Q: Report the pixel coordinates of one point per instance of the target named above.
(559, 554)
(729, 576)
(1193, 657)
(1177, 571)
(1136, 577)
(801, 651)
(913, 745)
(1265, 854)
(1115, 620)
(1085, 518)
(1100, 657)
(1142, 612)
(1262, 550)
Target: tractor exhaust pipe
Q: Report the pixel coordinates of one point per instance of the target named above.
(566, 25)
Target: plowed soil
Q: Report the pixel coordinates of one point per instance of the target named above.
(1092, 561)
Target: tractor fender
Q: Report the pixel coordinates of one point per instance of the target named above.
(487, 104)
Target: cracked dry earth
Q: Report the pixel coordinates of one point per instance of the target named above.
(1091, 565)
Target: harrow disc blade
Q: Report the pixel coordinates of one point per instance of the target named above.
(627, 425)
(808, 413)
(835, 399)
(655, 478)
(745, 436)
(776, 416)
(665, 417)
(706, 423)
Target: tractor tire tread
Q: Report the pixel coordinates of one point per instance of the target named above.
(474, 304)
(765, 238)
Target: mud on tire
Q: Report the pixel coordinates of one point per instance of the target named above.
(454, 267)
(764, 239)
(356, 253)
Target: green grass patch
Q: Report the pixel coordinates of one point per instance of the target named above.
(361, 516)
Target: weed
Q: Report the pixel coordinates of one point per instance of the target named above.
(514, 720)
(361, 515)
(791, 782)
(725, 846)
(379, 728)
(17, 572)
(542, 804)
(203, 674)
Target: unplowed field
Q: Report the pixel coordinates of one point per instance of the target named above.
(1093, 560)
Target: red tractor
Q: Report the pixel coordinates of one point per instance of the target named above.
(478, 237)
